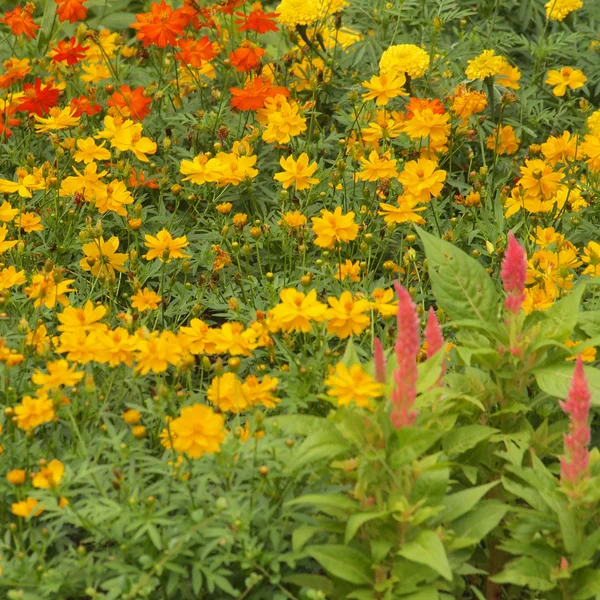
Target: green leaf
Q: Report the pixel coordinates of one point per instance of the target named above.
(589, 321)
(315, 582)
(427, 549)
(461, 439)
(412, 442)
(301, 535)
(359, 519)
(556, 379)
(558, 321)
(525, 571)
(320, 446)
(458, 504)
(326, 502)
(47, 23)
(461, 285)
(350, 356)
(343, 562)
(587, 584)
(475, 525)
(297, 424)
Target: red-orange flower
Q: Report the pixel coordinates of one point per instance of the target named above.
(7, 121)
(140, 180)
(420, 104)
(20, 20)
(254, 94)
(228, 6)
(132, 103)
(37, 99)
(83, 105)
(246, 57)
(162, 25)
(71, 10)
(69, 51)
(16, 70)
(257, 20)
(195, 52)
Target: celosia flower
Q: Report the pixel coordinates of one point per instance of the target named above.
(405, 375)
(514, 274)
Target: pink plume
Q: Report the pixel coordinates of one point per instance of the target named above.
(433, 334)
(514, 274)
(379, 362)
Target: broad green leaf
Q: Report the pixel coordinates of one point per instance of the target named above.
(461, 285)
(461, 439)
(301, 535)
(359, 519)
(587, 584)
(412, 443)
(589, 321)
(297, 424)
(427, 549)
(326, 502)
(427, 593)
(315, 582)
(320, 446)
(476, 524)
(350, 356)
(343, 562)
(558, 321)
(526, 571)
(48, 21)
(431, 486)
(556, 379)
(458, 504)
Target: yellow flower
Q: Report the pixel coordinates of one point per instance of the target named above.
(58, 119)
(384, 302)
(346, 316)
(557, 10)
(7, 212)
(23, 187)
(352, 385)
(587, 354)
(49, 476)
(16, 477)
(467, 102)
(139, 431)
(260, 392)
(334, 227)
(202, 170)
(592, 258)
(427, 124)
(403, 213)
(102, 258)
(113, 196)
(47, 291)
(34, 411)
(226, 393)
(9, 277)
(4, 243)
(422, 180)
(298, 12)
(94, 72)
(296, 172)
(567, 77)
(29, 222)
(503, 140)
(509, 77)
(87, 183)
(560, 149)
(233, 339)
(59, 374)
(157, 351)
(538, 179)
(132, 416)
(406, 59)
(284, 123)
(145, 299)
(89, 152)
(346, 270)
(25, 507)
(197, 431)
(294, 219)
(297, 311)
(195, 338)
(383, 88)
(487, 64)
(590, 148)
(81, 319)
(237, 169)
(165, 247)
(377, 167)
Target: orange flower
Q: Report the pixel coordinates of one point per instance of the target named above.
(131, 103)
(161, 26)
(195, 52)
(246, 57)
(71, 10)
(20, 20)
(254, 94)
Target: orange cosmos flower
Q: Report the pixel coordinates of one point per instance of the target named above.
(255, 93)
(161, 26)
(20, 21)
(71, 10)
(131, 103)
(257, 20)
(246, 57)
(195, 52)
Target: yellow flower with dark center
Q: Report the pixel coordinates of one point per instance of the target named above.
(352, 384)
(346, 317)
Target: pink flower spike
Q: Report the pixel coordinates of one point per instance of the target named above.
(379, 362)
(433, 334)
(407, 349)
(514, 274)
(574, 463)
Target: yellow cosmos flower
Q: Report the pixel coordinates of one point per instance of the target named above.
(352, 384)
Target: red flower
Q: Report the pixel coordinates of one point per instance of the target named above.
(7, 121)
(141, 181)
(71, 10)
(162, 25)
(254, 94)
(247, 57)
(195, 52)
(257, 20)
(132, 103)
(20, 20)
(70, 51)
(83, 105)
(38, 100)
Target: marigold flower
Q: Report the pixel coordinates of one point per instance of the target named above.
(406, 59)
(558, 10)
(487, 64)
(132, 416)
(298, 12)
(197, 431)
(334, 227)
(352, 384)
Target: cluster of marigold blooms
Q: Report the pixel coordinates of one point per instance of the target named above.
(390, 112)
